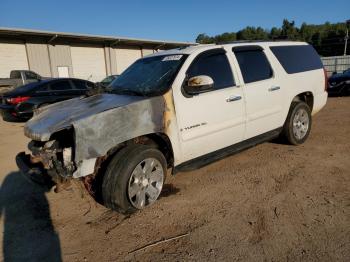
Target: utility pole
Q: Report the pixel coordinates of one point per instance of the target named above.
(346, 41)
(346, 36)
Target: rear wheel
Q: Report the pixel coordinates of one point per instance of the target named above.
(298, 124)
(134, 178)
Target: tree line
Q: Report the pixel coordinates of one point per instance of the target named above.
(328, 38)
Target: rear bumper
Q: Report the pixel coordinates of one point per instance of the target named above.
(33, 172)
(320, 101)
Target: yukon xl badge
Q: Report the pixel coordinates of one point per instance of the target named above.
(194, 126)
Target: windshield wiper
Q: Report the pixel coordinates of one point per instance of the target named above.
(166, 73)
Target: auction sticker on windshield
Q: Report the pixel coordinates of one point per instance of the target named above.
(172, 58)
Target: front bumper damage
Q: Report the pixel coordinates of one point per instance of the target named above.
(72, 139)
(33, 173)
(47, 165)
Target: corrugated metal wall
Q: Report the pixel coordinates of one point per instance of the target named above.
(111, 61)
(146, 52)
(125, 57)
(38, 58)
(88, 62)
(107, 54)
(60, 56)
(82, 61)
(12, 56)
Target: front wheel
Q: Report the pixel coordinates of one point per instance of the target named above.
(134, 178)
(298, 124)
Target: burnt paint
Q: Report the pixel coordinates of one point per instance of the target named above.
(195, 81)
(97, 134)
(100, 122)
(59, 116)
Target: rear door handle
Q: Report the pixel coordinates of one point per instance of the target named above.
(274, 88)
(233, 98)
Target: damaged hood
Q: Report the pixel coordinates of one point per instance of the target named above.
(61, 115)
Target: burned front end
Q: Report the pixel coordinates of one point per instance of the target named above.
(50, 162)
(71, 138)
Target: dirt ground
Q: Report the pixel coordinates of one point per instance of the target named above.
(273, 202)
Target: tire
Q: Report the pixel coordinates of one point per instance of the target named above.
(127, 173)
(9, 118)
(297, 127)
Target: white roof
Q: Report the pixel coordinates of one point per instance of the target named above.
(198, 48)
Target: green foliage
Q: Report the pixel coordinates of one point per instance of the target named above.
(204, 39)
(252, 33)
(327, 38)
(225, 37)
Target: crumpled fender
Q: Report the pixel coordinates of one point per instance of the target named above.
(97, 134)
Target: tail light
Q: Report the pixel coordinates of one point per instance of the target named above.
(17, 100)
(325, 79)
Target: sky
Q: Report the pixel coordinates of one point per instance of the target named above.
(178, 20)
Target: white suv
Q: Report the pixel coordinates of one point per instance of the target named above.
(179, 109)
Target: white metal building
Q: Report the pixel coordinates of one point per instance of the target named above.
(57, 54)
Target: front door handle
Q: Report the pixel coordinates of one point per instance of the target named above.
(274, 88)
(233, 98)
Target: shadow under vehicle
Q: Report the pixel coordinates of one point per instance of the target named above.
(28, 233)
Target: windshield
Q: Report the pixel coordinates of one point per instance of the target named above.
(148, 76)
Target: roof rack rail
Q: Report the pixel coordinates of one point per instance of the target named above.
(195, 44)
(253, 41)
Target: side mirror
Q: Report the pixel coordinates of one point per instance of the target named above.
(199, 84)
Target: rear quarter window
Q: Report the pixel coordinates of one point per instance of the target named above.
(15, 75)
(298, 58)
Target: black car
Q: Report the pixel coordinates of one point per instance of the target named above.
(339, 84)
(20, 103)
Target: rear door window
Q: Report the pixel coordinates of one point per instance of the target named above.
(15, 75)
(43, 88)
(253, 64)
(61, 86)
(30, 75)
(298, 58)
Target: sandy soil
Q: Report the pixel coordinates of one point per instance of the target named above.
(270, 203)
